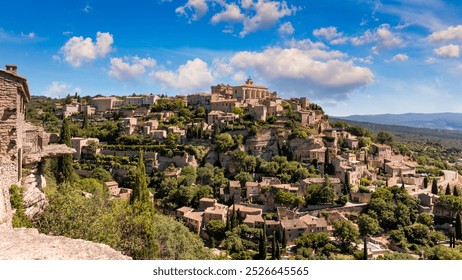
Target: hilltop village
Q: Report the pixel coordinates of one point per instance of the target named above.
(241, 160)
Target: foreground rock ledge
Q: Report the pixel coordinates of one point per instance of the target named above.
(29, 244)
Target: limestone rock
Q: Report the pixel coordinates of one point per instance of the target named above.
(29, 244)
(34, 199)
(49, 151)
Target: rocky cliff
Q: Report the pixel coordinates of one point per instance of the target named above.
(29, 244)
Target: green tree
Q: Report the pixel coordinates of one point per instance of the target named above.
(458, 226)
(346, 233)
(224, 141)
(140, 195)
(20, 218)
(216, 229)
(368, 226)
(434, 187)
(262, 250)
(85, 121)
(456, 191)
(425, 182)
(384, 138)
(448, 190)
(101, 174)
(243, 177)
(65, 171)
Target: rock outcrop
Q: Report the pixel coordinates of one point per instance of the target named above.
(29, 244)
(34, 199)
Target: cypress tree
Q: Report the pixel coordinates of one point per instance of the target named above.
(434, 187)
(262, 246)
(65, 169)
(278, 251)
(239, 217)
(234, 217)
(365, 249)
(425, 182)
(273, 247)
(448, 190)
(228, 226)
(85, 120)
(140, 194)
(456, 191)
(284, 239)
(458, 227)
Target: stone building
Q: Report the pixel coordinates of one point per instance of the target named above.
(20, 143)
(250, 91)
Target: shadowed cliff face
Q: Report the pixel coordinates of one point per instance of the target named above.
(28, 244)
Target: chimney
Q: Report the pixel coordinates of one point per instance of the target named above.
(11, 68)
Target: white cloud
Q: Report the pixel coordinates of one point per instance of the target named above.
(366, 38)
(246, 4)
(57, 89)
(195, 75)
(451, 33)
(87, 8)
(193, 9)
(31, 35)
(386, 39)
(331, 35)
(300, 71)
(366, 60)
(231, 14)
(122, 69)
(399, 57)
(449, 51)
(286, 29)
(267, 14)
(78, 50)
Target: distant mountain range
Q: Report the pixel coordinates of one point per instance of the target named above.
(447, 121)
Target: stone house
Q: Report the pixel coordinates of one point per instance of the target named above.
(218, 117)
(232, 192)
(20, 143)
(79, 143)
(225, 105)
(293, 229)
(314, 224)
(200, 99)
(252, 189)
(130, 125)
(103, 103)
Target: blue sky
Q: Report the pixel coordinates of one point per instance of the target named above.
(350, 56)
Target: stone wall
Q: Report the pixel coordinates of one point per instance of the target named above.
(6, 180)
(12, 100)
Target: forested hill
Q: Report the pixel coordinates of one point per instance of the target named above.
(446, 138)
(449, 121)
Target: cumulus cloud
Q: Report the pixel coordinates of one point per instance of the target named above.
(331, 35)
(301, 71)
(231, 14)
(57, 89)
(286, 29)
(267, 14)
(78, 50)
(449, 51)
(387, 39)
(451, 33)
(194, 75)
(399, 57)
(125, 69)
(193, 9)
